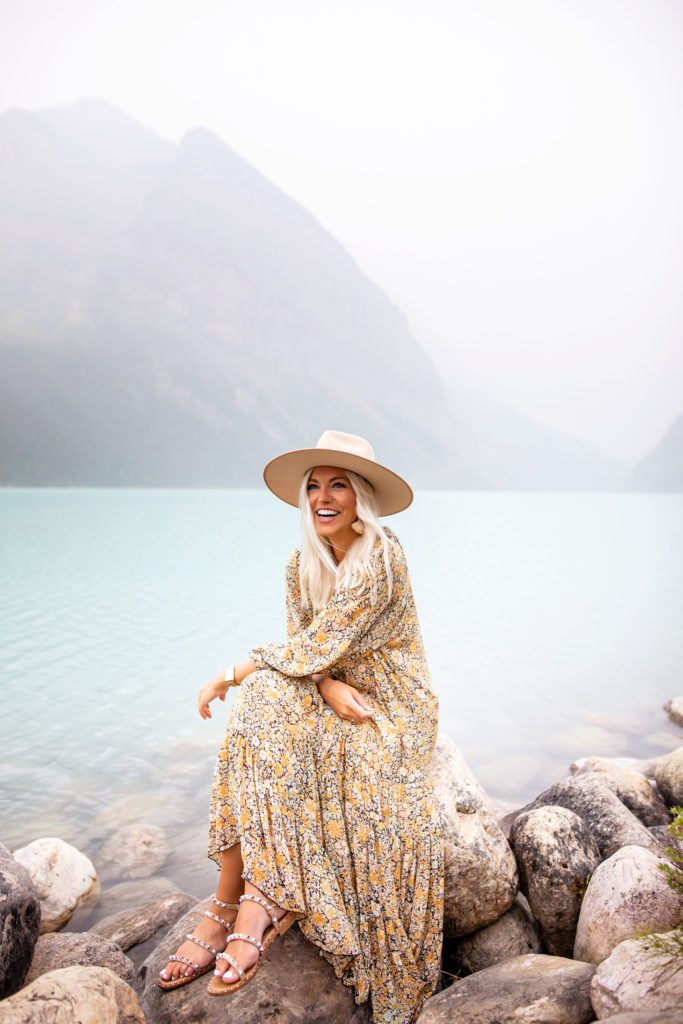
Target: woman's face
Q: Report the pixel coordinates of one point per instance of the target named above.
(329, 489)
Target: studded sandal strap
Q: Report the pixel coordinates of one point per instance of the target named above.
(219, 920)
(231, 960)
(200, 942)
(269, 907)
(225, 906)
(184, 960)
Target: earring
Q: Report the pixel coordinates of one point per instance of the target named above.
(358, 526)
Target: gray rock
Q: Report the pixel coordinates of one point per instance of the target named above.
(665, 837)
(610, 823)
(669, 776)
(556, 855)
(63, 877)
(74, 995)
(480, 872)
(647, 1017)
(530, 989)
(644, 765)
(627, 894)
(293, 984)
(135, 851)
(639, 976)
(631, 786)
(131, 927)
(511, 935)
(78, 949)
(674, 709)
(19, 922)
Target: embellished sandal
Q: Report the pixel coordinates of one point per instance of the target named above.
(185, 979)
(218, 987)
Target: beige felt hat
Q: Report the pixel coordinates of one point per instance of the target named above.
(283, 474)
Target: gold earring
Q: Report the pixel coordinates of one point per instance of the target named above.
(358, 526)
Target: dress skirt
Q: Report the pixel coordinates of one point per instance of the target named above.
(338, 821)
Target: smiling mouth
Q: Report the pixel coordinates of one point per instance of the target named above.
(326, 516)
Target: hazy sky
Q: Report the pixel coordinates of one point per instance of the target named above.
(508, 171)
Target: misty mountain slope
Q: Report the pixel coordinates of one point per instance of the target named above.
(168, 316)
(662, 468)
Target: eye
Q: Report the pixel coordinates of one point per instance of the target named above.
(308, 487)
(338, 483)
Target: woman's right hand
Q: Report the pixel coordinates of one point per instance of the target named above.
(344, 699)
(216, 688)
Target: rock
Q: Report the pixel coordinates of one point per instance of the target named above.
(74, 995)
(639, 976)
(294, 983)
(136, 851)
(511, 935)
(63, 878)
(669, 776)
(610, 823)
(480, 872)
(529, 989)
(19, 922)
(131, 927)
(632, 788)
(79, 949)
(647, 1017)
(556, 855)
(646, 766)
(665, 837)
(626, 895)
(674, 709)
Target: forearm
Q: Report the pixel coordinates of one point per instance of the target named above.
(244, 669)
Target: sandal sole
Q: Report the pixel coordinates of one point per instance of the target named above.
(179, 982)
(222, 988)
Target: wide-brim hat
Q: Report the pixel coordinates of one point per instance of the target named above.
(284, 473)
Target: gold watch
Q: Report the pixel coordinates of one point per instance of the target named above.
(230, 676)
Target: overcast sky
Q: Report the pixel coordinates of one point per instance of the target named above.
(508, 171)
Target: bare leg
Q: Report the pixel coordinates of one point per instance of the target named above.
(230, 888)
(252, 919)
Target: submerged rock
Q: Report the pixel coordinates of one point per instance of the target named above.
(626, 895)
(674, 709)
(480, 872)
(532, 988)
(19, 922)
(556, 856)
(63, 878)
(74, 995)
(136, 851)
(638, 975)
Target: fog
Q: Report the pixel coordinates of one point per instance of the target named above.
(509, 173)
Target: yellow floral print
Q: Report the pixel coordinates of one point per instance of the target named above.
(338, 820)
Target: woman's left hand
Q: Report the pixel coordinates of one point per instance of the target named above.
(216, 688)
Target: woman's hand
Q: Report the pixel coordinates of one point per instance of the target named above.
(344, 699)
(216, 688)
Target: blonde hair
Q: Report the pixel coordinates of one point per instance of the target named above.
(319, 574)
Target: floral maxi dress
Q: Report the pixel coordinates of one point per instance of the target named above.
(338, 820)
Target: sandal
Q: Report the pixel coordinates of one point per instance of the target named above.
(218, 987)
(185, 979)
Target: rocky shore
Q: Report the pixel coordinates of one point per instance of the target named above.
(568, 910)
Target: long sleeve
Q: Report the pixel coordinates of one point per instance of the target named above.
(344, 619)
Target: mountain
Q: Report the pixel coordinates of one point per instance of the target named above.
(169, 317)
(662, 468)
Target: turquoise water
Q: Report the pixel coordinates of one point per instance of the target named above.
(553, 626)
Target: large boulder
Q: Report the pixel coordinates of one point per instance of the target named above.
(74, 995)
(511, 935)
(638, 975)
(609, 821)
(674, 709)
(669, 776)
(531, 988)
(631, 786)
(19, 922)
(79, 949)
(129, 928)
(626, 895)
(556, 855)
(135, 851)
(63, 878)
(481, 878)
(295, 983)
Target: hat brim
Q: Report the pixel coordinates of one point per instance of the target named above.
(284, 473)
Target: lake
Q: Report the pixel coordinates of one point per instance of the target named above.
(552, 621)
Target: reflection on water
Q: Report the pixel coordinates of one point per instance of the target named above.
(552, 623)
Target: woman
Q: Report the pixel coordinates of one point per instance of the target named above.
(322, 807)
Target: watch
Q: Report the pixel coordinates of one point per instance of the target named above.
(230, 676)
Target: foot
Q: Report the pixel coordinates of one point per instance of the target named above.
(210, 932)
(252, 919)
